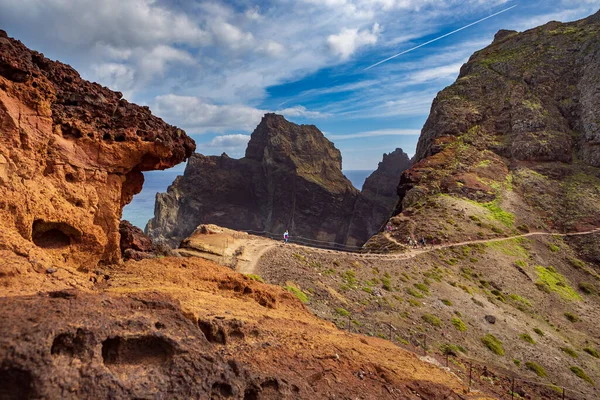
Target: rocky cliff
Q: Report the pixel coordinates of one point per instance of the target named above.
(71, 156)
(291, 178)
(513, 144)
(381, 185)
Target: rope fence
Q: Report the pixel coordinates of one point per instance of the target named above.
(307, 241)
(477, 374)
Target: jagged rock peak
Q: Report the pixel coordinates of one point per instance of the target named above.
(381, 184)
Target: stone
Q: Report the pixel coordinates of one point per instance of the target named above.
(72, 155)
(290, 178)
(491, 319)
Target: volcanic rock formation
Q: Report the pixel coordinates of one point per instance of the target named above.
(381, 185)
(291, 178)
(514, 142)
(71, 156)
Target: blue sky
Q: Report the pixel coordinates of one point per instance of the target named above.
(214, 68)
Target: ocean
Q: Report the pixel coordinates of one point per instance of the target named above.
(141, 208)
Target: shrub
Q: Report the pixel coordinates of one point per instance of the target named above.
(342, 312)
(297, 292)
(432, 320)
(556, 282)
(414, 293)
(446, 302)
(527, 338)
(576, 263)
(592, 352)
(571, 317)
(538, 331)
(517, 362)
(520, 299)
(459, 324)
(553, 248)
(422, 287)
(349, 278)
(493, 344)
(579, 372)
(414, 302)
(368, 289)
(537, 368)
(452, 349)
(587, 288)
(255, 277)
(387, 284)
(570, 352)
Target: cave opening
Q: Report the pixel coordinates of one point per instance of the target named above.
(53, 235)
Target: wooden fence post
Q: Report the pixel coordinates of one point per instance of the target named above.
(470, 374)
(512, 390)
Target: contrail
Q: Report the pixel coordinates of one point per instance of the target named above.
(440, 37)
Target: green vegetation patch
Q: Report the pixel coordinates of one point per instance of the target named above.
(581, 374)
(519, 299)
(422, 287)
(459, 324)
(499, 214)
(517, 362)
(538, 331)
(553, 248)
(526, 337)
(255, 277)
(452, 349)
(297, 292)
(570, 352)
(592, 352)
(415, 293)
(510, 247)
(349, 278)
(555, 282)
(446, 302)
(432, 320)
(387, 284)
(588, 288)
(342, 312)
(493, 344)
(571, 317)
(537, 368)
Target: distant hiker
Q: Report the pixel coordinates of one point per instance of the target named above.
(423, 242)
(415, 244)
(432, 243)
(409, 240)
(286, 236)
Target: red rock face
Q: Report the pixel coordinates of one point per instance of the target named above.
(71, 156)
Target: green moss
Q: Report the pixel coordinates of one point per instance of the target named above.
(521, 263)
(255, 277)
(571, 317)
(570, 352)
(432, 320)
(592, 352)
(342, 312)
(499, 214)
(538, 331)
(493, 344)
(297, 292)
(446, 302)
(553, 248)
(581, 374)
(510, 247)
(527, 338)
(459, 324)
(555, 282)
(517, 362)
(537, 368)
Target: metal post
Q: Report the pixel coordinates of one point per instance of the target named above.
(512, 390)
(424, 344)
(470, 375)
(391, 337)
(349, 323)
(563, 394)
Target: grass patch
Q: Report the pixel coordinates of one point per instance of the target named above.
(526, 337)
(432, 320)
(592, 352)
(538, 331)
(519, 299)
(446, 302)
(255, 277)
(459, 324)
(493, 344)
(517, 362)
(587, 288)
(499, 214)
(414, 302)
(553, 248)
(571, 317)
(422, 287)
(349, 278)
(452, 349)
(537, 368)
(387, 284)
(368, 289)
(414, 293)
(342, 312)
(570, 352)
(511, 247)
(297, 292)
(581, 374)
(555, 282)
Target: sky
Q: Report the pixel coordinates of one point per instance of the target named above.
(214, 68)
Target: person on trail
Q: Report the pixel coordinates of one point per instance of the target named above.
(423, 242)
(415, 244)
(432, 243)
(409, 240)
(286, 236)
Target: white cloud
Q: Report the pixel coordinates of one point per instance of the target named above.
(375, 133)
(301, 111)
(345, 43)
(228, 141)
(198, 116)
(431, 74)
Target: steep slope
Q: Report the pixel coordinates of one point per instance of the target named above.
(76, 325)
(71, 156)
(381, 185)
(512, 145)
(291, 178)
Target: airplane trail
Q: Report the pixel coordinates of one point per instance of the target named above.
(438, 38)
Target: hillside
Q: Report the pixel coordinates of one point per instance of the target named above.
(512, 145)
(78, 323)
(291, 178)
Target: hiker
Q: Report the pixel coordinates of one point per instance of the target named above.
(409, 240)
(423, 242)
(415, 244)
(432, 243)
(286, 236)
